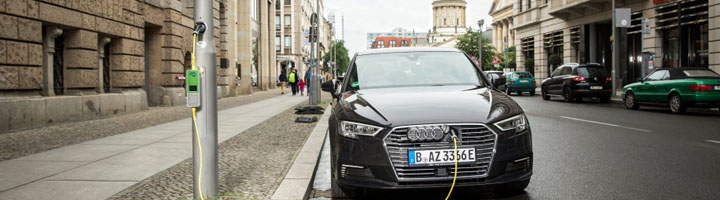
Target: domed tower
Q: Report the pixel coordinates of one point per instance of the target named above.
(448, 19)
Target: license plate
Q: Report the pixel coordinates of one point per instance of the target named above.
(717, 87)
(596, 87)
(440, 156)
(523, 81)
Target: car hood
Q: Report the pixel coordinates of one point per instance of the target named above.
(427, 105)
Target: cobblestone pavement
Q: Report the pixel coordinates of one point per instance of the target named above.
(251, 164)
(22, 143)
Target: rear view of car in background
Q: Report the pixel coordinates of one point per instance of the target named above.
(676, 88)
(577, 81)
(520, 82)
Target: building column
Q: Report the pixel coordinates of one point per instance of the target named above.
(48, 57)
(264, 45)
(273, 51)
(101, 62)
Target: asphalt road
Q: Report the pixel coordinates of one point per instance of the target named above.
(603, 151)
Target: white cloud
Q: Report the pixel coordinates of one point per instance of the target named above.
(363, 16)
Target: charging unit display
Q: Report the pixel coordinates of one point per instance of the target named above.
(192, 81)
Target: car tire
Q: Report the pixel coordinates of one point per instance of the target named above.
(676, 104)
(543, 93)
(630, 101)
(567, 95)
(514, 187)
(532, 93)
(508, 91)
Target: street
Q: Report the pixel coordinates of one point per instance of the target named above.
(603, 151)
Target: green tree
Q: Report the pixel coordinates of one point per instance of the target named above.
(469, 44)
(529, 64)
(510, 60)
(342, 59)
(555, 61)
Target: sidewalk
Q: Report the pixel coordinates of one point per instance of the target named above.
(100, 168)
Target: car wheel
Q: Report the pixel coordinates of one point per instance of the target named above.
(543, 92)
(513, 188)
(519, 93)
(567, 94)
(630, 101)
(507, 91)
(676, 104)
(532, 93)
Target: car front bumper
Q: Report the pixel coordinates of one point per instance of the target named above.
(364, 163)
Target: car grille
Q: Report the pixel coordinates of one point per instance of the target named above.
(477, 136)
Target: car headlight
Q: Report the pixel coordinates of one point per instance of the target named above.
(353, 129)
(517, 123)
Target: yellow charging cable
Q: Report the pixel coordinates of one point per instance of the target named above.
(456, 167)
(197, 133)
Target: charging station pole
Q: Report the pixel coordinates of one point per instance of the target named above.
(207, 112)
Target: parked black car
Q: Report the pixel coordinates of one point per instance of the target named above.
(396, 112)
(577, 81)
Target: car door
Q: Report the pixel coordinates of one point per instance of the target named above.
(661, 88)
(565, 75)
(555, 86)
(644, 92)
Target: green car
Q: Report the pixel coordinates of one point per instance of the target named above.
(520, 82)
(678, 88)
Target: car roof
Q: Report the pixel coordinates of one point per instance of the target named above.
(407, 50)
(575, 65)
(494, 72)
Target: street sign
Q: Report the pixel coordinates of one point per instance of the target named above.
(306, 37)
(496, 61)
(505, 50)
(623, 17)
(646, 26)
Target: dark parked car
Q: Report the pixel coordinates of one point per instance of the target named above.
(497, 76)
(676, 88)
(577, 81)
(396, 113)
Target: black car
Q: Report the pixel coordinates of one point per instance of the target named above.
(577, 81)
(396, 112)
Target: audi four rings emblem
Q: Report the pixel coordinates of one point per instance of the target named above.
(425, 134)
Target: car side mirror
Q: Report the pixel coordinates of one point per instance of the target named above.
(329, 86)
(498, 82)
(641, 80)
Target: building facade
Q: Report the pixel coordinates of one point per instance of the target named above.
(291, 36)
(397, 32)
(502, 13)
(391, 42)
(77, 60)
(680, 33)
(448, 22)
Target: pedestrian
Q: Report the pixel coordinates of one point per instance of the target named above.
(282, 79)
(292, 79)
(307, 83)
(302, 87)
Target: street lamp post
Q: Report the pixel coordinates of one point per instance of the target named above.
(480, 25)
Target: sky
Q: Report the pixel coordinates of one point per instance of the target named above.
(365, 16)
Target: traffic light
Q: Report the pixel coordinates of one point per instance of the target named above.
(313, 34)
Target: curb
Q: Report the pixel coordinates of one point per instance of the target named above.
(298, 182)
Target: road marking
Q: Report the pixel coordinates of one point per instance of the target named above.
(606, 124)
(713, 141)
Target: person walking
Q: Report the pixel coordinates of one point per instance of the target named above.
(307, 83)
(283, 80)
(292, 79)
(302, 87)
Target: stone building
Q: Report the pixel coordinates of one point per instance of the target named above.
(448, 22)
(251, 28)
(84, 59)
(391, 42)
(502, 13)
(294, 48)
(682, 33)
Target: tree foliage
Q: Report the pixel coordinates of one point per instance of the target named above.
(342, 59)
(468, 43)
(555, 61)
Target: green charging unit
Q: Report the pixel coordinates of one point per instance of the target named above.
(192, 88)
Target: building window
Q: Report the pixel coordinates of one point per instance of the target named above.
(520, 5)
(254, 9)
(380, 44)
(288, 42)
(404, 43)
(277, 22)
(445, 21)
(277, 5)
(529, 4)
(287, 20)
(287, 2)
(685, 36)
(277, 43)
(392, 43)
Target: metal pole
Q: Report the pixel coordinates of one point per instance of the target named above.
(314, 78)
(480, 25)
(207, 112)
(615, 56)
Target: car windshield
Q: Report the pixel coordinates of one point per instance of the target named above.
(523, 75)
(700, 73)
(587, 71)
(414, 69)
